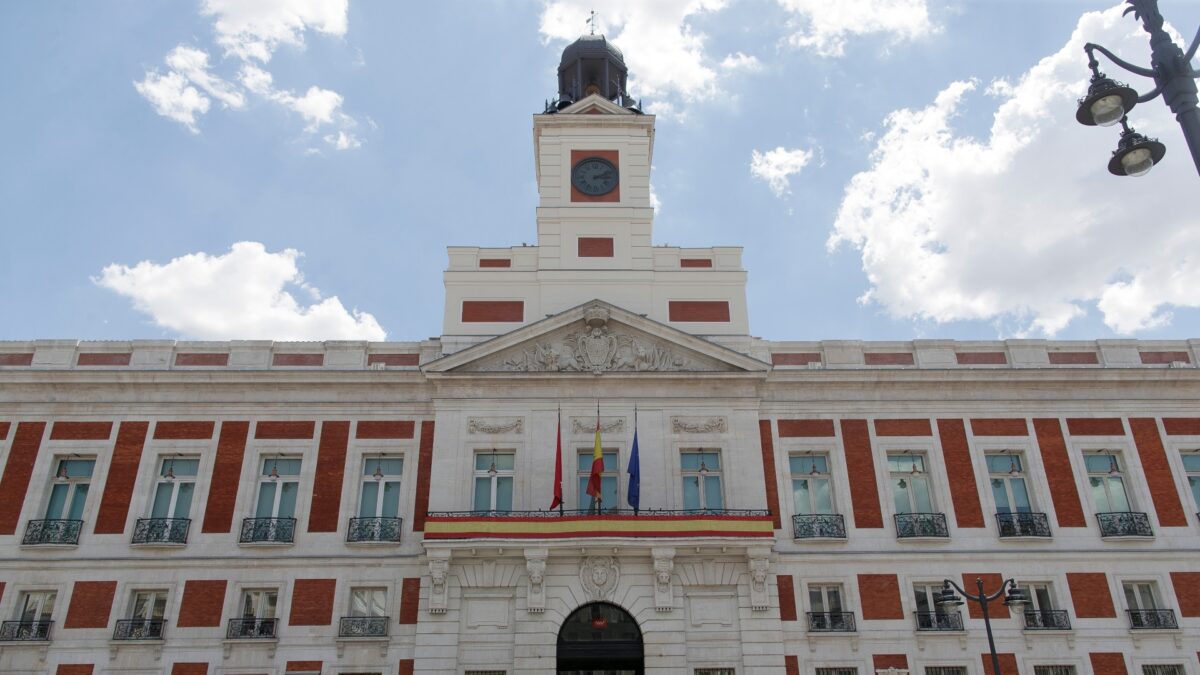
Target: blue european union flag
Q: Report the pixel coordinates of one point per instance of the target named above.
(635, 476)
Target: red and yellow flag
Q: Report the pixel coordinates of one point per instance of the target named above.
(558, 497)
(593, 486)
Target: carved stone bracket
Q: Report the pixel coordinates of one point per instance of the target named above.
(664, 566)
(439, 568)
(599, 575)
(699, 425)
(535, 566)
(587, 425)
(484, 425)
(759, 559)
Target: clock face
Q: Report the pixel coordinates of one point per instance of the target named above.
(594, 176)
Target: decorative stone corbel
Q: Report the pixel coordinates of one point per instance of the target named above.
(439, 567)
(664, 566)
(759, 559)
(535, 566)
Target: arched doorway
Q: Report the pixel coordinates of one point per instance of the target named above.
(600, 639)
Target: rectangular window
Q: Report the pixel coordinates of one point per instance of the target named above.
(278, 488)
(930, 615)
(148, 605)
(810, 484)
(1191, 464)
(1040, 597)
(176, 484)
(1007, 474)
(714, 671)
(36, 606)
(1140, 595)
(838, 670)
(825, 598)
(381, 487)
(1107, 482)
(368, 602)
(259, 603)
(910, 483)
(69, 494)
(945, 670)
(609, 483)
(494, 481)
(701, 470)
(1172, 669)
(1054, 670)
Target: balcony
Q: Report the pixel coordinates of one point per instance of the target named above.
(1047, 619)
(250, 628)
(932, 621)
(268, 530)
(1124, 524)
(1014, 525)
(741, 523)
(363, 626)
(139, 629)
(921, 525)
(380, 530)
(25, 631)
(831, 622)
(52, 532)
(1152, 619)
(169, 531)
(818, 526)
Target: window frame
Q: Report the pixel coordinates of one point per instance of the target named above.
(251, 588)
(159, 480)
(22, 601)
(1117, 455)
(1015, 457)
(263, 479)
(1191, 477)
(696, 474)
(367, 476)
(477, 473)
(72, 483)
(582, 475)
(924, 474)
(827, 476)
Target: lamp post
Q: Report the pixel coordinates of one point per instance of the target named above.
(1108, 101)
(1014, 598)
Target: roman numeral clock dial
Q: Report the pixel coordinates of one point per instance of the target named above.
(594, 176)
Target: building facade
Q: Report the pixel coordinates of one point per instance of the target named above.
(253, 507)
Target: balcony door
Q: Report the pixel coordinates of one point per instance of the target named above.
(600, 639)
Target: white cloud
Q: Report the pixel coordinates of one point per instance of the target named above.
(193, 64)
(1026, 225)
(241, 294)
(741, 61)
(777, 166)
(343, 141)
(173, 97)
(825, 26)
(254, 30)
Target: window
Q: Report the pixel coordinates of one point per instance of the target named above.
(945, 670)
(368, 614)
(930, 615)
(381, 487)
(494, 481)
(176, 483)
(1107, 483)
(1172, 669)
(1191, 464)
(278, 487)
(1054, 670)
(69, 493)
(257, 616)
(701, 471)
(145, 622)
(1007, 474)
(1140, 595)
(609, 487)
(827, 612)
(838, 670)
(35, 610)
(1145, 609)
(368, 602)
(810, 484)
(1041, 612)
(714, 671)
(910, 484)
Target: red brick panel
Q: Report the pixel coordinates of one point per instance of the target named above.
(495, 262)
(767, 444)
(795, 358)
(375, 429)
(1108, 663)
(74, 669)
(1187, 591)
(991, 584)
(410, 598)
(690, 262)
(595, 247)
(888, 359)
(189, 669)
(394, 359)
(177, 431)
(16, 359)
(1158, 472)
(981, 358)
(202, 603)
(202, 359)
(312, 602)
(493, 311)
(919, 427)
(311, 360)
(81, 431)
(285, 430)
(1074, 359)
(963, 490)
(4, 430)
(791, 665)
(1008, 664)
(122, 472)
(611, 155)
(1013, 426)
(716, 311)
(303, 666)
(1059, 475)
(103, 359)
(885, 661)
(1182, 426)
(91, 604)
(1, 590)
(1164, 357)
(860, 465)
(787, 597)
(17, 471)
(1090, 595)
(880, 596)
(424, 468)
(406, 667)
(806, 429)
(227, 471)
(325, 513)
(1095, 426)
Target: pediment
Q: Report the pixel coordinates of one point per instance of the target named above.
(594, 104)
(596, 338)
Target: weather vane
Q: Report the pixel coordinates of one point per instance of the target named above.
(591, 21)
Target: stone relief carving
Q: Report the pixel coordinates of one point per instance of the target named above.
(690, 425)
(599, 576)
(760, 565)
(587, 425)
(438, 568)
(535, 566)
(664, 565)
(483, 425)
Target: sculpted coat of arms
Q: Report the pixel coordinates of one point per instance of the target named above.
(599, 576)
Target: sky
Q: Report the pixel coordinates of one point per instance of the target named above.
(294, 169)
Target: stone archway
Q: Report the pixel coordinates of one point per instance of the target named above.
(600, 638)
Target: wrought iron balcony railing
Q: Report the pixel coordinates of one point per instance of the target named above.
(268, 530)
(913, 525)
(591, 523)
(161, 530)
(251, 629)
(139, 629)
(56, 531)
(375, 529)
(363, 626)
(1124, 524)
(1026, 524)
(601, 513)
(1047, 619)
(1152, 619)
(818, 526)
(830, 622)
(935, 621)
(22, 631)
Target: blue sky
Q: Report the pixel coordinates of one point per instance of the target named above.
(919, 172)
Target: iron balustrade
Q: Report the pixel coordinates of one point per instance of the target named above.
(25, 631)
(1024, 524)
(935, 621)
(823, 622)
(363, 626)
(577, 513)
(1152, 619)
(139, 629)
(54, 531)
(1124, 524)
(375, 529)
(1047, 619)
(268, 530)
(251, 628)
(161, 530)
(818, 526)
(912, 525)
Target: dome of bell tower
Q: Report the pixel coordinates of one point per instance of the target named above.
(593, 65)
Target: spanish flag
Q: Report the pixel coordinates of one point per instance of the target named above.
(558, 495)
(593, 486)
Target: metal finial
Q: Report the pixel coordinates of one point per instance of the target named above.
(591, 21)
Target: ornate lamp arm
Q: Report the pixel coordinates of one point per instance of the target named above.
(1089, 47)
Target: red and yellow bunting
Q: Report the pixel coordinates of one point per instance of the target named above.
(562, 527)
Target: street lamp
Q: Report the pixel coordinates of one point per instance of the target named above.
(1015, 598)
(1108, 101)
